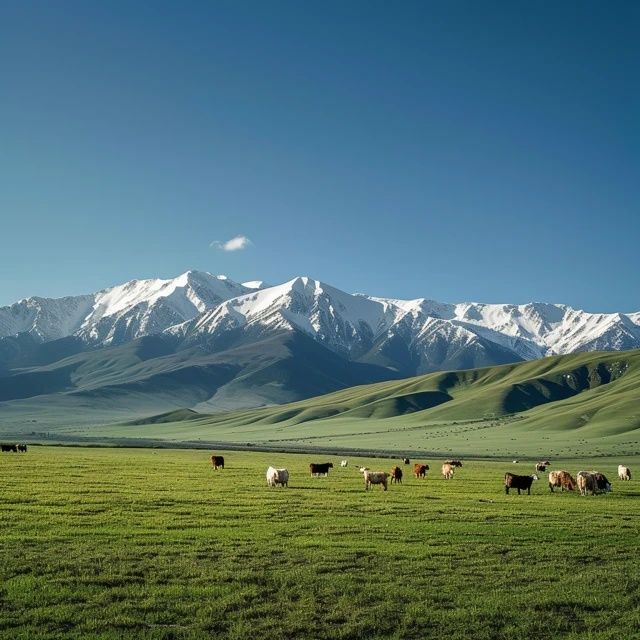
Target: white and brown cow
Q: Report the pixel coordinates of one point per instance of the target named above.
(277, 477)
(562, 479)
(448, 471)
(375, 477)
(587, 482)
(624, 473)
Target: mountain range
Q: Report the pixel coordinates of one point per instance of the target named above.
(208, 343)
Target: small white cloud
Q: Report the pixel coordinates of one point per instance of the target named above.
(235, 244)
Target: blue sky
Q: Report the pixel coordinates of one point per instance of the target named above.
(482, 151)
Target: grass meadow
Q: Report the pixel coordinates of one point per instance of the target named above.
(144, 543)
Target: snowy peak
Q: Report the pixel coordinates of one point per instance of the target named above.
(197, 307)
(120, 313)
(331, 316)
(44, 318)
(143, 307)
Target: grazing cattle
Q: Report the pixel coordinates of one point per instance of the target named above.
(513, 481)
(217, 461)
(396, 475)
(447, 471)
(22, 448)
(344, 463)
(454, 463)
(541, 466)
(587, 482)
(562, 479)
(593, 481)
(516, 461)
(320, 468)
(375, 477)
(420, 470)
(9, 448)
(277, 477)
(624, 473)
(406, 460)
(602, 483)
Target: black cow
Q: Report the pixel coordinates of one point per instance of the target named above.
(320, 468)
(217, 461)
(602, 483)
(512, 481)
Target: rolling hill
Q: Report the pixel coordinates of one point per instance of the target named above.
(579, 404)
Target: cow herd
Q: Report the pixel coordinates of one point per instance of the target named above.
(586, 482)
(12, 447)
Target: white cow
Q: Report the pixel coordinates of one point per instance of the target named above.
(344, 463)
(624, 473)
(277, 477)
(448, 471)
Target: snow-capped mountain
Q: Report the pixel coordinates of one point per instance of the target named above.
(212, 344)
(432, 334)
(121, 313)
(409, 336)
(338, 320)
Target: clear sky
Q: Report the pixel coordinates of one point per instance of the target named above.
(481, 150)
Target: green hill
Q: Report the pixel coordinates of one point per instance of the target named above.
(580, 404)
(148, 376)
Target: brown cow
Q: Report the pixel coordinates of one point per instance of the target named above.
(217, 461)
(420, 470)
(396, 475)
(562, 479)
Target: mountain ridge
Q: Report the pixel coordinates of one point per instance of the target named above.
(157, 337)
(198, 302)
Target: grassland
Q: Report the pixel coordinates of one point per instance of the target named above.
(122, 543)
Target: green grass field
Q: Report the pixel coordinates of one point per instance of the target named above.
(124, 543)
